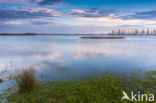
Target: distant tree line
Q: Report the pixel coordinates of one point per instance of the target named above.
(133, 32)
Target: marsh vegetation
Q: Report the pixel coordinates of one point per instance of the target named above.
(26, 80)
(103, 89)
(1, 79)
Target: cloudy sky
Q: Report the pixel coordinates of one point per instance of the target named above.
(75, 16)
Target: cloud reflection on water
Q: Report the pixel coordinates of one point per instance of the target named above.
(68, 56)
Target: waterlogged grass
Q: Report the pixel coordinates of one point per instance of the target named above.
(1, 79)
(99, 90)
(26, 80)
(104, 89)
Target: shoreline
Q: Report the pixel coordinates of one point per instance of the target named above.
(89, 35)
(20, 34)
(102, 37)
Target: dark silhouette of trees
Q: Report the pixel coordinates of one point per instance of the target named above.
(133, 32)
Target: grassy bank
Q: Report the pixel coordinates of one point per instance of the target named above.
(102, 37)
(104, 89)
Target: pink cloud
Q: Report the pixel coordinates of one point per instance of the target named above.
(51, 12)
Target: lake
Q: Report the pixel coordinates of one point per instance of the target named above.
(63, 57)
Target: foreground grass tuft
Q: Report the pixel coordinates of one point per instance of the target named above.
(1, 79)
(26, 80)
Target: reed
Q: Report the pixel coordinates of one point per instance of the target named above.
(1, 79)
(26, 80)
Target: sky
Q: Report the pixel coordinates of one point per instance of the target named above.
(75, 16)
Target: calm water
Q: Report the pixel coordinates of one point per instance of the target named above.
(60, 57)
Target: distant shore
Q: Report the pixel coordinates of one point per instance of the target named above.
(102, 37)
(84, 36)
(20, 34)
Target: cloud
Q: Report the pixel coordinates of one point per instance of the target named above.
(110, 49)
(49, 56)
(93, 12)
(13, 1)
(40, 22)
(53, 28)
(145, 15)
(49, 2)
(111, 16)
(35, 2)
(24, 13)
(97, 15)
(153, 24)
(89, 53)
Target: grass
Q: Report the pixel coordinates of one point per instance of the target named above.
(104, 89)
(1, 79)
(26, 80)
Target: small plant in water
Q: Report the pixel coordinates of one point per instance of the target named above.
(26, 80)
(1, 79)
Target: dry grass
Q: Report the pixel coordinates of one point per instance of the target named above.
(26, 80)
(1, 79)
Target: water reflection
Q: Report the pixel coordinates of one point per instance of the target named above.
(69, 57)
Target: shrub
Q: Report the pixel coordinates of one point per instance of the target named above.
(1, 79)
(26, 80)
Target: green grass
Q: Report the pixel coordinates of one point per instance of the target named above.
(104, 89)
